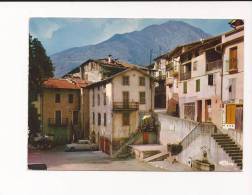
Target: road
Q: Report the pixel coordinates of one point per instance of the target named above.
(59, 160)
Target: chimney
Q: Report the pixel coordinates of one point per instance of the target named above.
(109, 58)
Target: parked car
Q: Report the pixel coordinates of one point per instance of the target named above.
(41, 142)
(81, 145)
(37, 166)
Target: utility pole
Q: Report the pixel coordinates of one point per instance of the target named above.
(151, 50)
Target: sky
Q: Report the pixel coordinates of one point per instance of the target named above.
(58, 34)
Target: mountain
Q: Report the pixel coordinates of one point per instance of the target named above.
(133, 47)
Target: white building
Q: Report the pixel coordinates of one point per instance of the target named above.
(116, 105)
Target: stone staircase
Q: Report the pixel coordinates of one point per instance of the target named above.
(124, 151)
(157, 157)
(230, 147)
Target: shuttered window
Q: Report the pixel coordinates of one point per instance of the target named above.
(197, 85)
(142, 97)
(210, 79)
(126, 119)
(185, 87)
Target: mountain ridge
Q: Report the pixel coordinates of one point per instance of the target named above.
(133, 47)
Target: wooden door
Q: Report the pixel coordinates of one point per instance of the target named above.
(230, 113)
(199, 111)
(145, 137)
(233, 58)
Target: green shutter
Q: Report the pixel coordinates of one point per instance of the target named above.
(185, 87)
(197, 85)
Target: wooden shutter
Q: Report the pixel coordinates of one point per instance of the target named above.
(230, 113)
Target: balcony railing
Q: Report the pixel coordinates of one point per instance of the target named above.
(52, 122)
(125, 106)
(185, 76)
(213, 65)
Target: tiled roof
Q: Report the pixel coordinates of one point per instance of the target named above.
(63, 84)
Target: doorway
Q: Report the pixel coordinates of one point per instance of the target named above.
(199, 110)
(208, 104)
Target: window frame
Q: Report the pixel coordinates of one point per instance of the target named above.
(57, 98)
(142, 81)
(125, 81)
(125, 119)
(140, 97)
(185, 87)
(105, 119)
(197, 89)
(70, 98)
(99, 119)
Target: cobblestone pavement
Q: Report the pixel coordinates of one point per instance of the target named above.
(57, 159)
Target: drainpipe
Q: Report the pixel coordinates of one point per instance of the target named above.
(221, 71)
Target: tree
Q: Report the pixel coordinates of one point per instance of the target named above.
(40, 69)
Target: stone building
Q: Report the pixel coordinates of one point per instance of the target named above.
(116, 106)
(59, 108)
(232, 49)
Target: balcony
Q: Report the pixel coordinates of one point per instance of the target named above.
(122, 106)
(52, 122)
(185, 76)
(213, 65)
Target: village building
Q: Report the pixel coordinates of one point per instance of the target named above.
(116, 106)
(200, 82)
(59, 107)
(232, 49)
(159, 73)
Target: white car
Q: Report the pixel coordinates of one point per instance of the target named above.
(81, 145)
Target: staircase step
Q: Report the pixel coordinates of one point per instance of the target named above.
(238, 161)
(236, 158)
(156, 157)
(235, 155)
(234, 151)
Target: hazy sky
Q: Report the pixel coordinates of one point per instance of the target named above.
(58, 34)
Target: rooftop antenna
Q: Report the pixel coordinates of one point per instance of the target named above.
(151, 50)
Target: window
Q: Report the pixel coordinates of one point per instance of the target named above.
(142, 81)
(75, 117)
(99, 119)
(105, 119)
(58, 118)
(126, 80)
(93, 102)
(142, 97)
(185, 87)
(126, 119)
(195, 65)
(197, 85)
(210, 79)
(98, 99)
(93, 118)
(125, 97)
(104, 99)
(70, 98)
(233, 59)
(57, 98)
